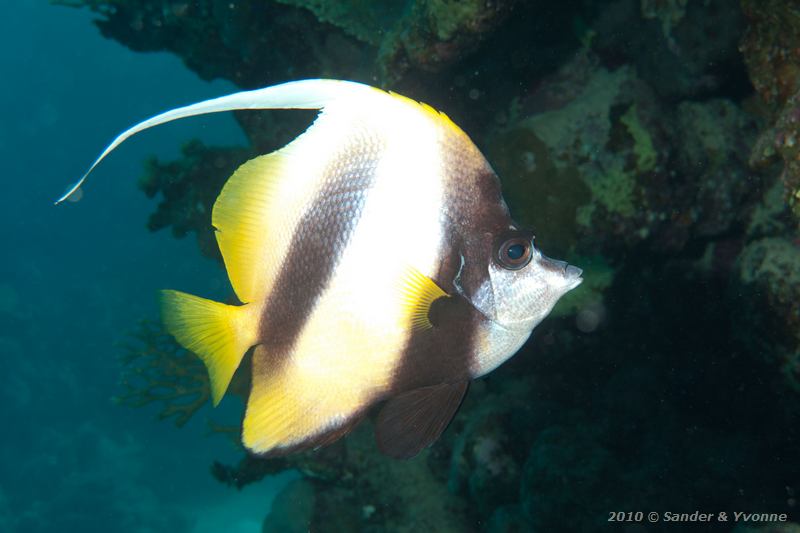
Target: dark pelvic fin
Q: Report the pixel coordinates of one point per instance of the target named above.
(412, 421)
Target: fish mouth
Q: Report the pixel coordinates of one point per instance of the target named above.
(572, 275)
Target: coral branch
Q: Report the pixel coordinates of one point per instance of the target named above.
(157, 370)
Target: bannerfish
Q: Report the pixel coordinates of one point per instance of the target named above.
(375, 261)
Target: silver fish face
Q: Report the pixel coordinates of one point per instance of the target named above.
(523, 284)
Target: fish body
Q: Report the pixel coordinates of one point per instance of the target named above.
(375, 260)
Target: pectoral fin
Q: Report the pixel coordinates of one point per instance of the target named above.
(418, 292)
(412, 421)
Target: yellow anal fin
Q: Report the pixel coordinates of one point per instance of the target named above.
(241, 217)
(418, 292)
(288, 411)
(219, 334)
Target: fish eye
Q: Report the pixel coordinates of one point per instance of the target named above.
(515, 251)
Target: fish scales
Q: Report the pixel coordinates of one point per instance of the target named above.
(376, 261)
(319, 238)
(354, 332)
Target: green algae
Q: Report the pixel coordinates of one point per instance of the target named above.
(557, 169)
(541, 194)
(577, 130)
(614, 191)
(576, 138)
(646, 156)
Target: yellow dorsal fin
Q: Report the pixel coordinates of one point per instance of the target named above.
(431, 112)
(219, 334)
(241, 215)
(418, 292)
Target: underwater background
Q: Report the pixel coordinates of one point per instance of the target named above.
(654, 143)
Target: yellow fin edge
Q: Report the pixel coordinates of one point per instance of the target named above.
(219, 334)
(430, 111)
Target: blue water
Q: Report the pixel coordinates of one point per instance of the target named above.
(75, 278)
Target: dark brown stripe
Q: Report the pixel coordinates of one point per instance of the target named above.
(443, 353)
(321, 236)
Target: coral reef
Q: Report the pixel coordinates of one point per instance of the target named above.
(591, 160)
(436, 33)
(351, 490)
(769, 275)
(188, 188)
(770, 48)
(681, 48)
(781, 141)
(229, 39)
(766, 280)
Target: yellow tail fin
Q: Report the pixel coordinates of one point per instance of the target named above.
(220, 334)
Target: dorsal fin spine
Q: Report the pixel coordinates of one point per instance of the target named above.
(302, 94)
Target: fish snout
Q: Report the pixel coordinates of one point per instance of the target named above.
(569, 273)
(572, 272)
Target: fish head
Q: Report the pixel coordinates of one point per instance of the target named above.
(522, 284)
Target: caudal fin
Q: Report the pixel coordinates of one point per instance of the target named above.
(220, 334)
